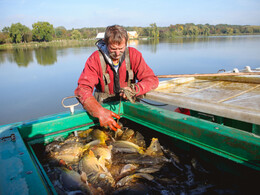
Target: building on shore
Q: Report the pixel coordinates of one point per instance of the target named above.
(131, 35)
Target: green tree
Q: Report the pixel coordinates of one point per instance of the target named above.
(76, 35)
(42, 31)
(249, 29)
(6, 30)
(230, 30)
(206, 31)
(60, 32)
(17, 32)
(154, 31)
(2, 38)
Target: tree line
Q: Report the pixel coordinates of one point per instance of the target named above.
(45, 32)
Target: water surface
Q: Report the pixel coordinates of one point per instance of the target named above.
(33, 82)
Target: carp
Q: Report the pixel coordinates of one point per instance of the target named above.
(96, 172)
(71, 181)
(155, 148)
(126, 147)
(102, 151)
(69, 152)
(133, 178)
(141, 159)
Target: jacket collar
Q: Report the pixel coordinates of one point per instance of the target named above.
(101, 45)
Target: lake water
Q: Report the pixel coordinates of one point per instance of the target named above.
(33, 82)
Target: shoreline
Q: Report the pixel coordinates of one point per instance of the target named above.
(86, 42)
(56, 43)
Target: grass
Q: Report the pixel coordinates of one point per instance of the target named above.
(55, 43)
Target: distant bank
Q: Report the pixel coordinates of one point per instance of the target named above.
(83, 42)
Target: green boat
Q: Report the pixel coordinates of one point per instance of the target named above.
(224, 140)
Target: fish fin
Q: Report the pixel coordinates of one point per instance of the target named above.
(141, 150)
(102, 162)
(110, 147)
(91, 153)
(83, 177)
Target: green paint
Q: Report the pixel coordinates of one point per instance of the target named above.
(220, 142)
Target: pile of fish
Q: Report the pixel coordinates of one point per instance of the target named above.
(100, 161)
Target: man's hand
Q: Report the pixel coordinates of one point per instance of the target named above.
(106, 119)
(122, 93)
(105, 116)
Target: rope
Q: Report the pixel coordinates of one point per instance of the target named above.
(130, 94)
(153, 104)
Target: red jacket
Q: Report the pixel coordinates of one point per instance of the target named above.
(92, 75)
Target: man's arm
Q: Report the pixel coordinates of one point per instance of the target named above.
(89, 78)
(147, 80)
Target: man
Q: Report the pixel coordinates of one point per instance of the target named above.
(110, 69)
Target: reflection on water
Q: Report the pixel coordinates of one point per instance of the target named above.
(34, 81)
(23, 57)
(48, 55)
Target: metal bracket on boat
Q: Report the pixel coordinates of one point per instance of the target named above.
(208, 117)
(69, 106)
(12, 137)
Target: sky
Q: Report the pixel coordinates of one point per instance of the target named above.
(101, 13)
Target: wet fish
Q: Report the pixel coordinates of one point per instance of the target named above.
(140, 159)
(126, 147)
(118, 133)
(69, 152)
(139, 140)
(85, 134)
(151, 169)
(55, 145)
(128, 134)
(71, 181)
(134, 137)
(91, 144)
(97, 134)
(96, 172)
(103, 151)
(198, 167)
(155, 148)
(128, 168)
(133, 178)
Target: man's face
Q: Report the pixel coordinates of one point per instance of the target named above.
(116, 50)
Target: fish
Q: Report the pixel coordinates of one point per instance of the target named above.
(134, 137)
(97, 134)
(69, 152)
(95, 171)
(155, 148)
(128, 134)
(103, 151)
(55, 145)
(126, 147)
(105, 161)
(71, 181)
(128, 168)
(141, 159)
(118, 133)
(85, 133)
(91, 144)
(133, 178)
(151, 169)
(198, 167)
(139, 140)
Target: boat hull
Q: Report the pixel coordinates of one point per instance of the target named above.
(227, 148)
